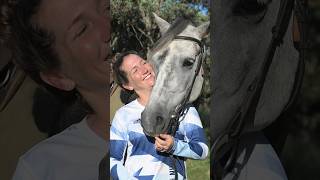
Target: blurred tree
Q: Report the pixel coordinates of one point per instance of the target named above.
(133, 25)
(301, 157)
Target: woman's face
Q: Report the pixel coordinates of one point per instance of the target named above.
(139, 72)
(82, 38)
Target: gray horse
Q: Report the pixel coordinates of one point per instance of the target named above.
(241, 33)
(175, 61)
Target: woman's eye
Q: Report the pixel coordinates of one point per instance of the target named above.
(80, 32)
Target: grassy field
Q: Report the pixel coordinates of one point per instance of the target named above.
(198, 169)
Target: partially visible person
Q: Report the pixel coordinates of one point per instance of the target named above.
(115, 93)
(63, 45)
(133, 155)
(17, 131)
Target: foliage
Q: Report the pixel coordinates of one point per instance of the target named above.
(302, 146)
(133, 26)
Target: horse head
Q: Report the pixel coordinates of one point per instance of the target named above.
(242, 32)
(175, 58)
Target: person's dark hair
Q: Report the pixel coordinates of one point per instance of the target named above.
(120, 76)
(32, 45)
(33, 48)
(51, 116)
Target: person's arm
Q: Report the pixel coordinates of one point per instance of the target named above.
(118, 145)
(195, 146)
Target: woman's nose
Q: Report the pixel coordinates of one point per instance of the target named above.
(144, 70)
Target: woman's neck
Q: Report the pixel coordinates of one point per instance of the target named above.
(98, 126)
(97, 121)
(143, 97)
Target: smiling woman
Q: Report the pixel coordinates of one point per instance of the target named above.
(63, 46)
(148, 157)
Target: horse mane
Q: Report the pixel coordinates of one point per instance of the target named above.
(176, 28)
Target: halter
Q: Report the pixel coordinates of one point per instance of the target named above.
(228, 140)
(182, 108)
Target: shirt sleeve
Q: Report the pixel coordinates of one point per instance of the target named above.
(23, 171)
(118, 146)
(190, 140)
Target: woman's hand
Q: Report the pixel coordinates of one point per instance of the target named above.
(164, 142)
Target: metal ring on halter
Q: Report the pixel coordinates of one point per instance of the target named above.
(8, 72)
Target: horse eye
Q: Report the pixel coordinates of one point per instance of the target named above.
(188, 62)
(250, 7)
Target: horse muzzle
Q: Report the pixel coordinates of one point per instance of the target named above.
(154, 123)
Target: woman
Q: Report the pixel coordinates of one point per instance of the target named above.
(133, 155)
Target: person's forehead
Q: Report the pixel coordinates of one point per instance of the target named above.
(57, 15)
(130, 61)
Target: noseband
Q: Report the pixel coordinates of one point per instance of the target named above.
(183, 107)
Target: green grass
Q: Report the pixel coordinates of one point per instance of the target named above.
(198, 169)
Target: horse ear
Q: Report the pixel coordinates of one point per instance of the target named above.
(203, 29)
(162, 24)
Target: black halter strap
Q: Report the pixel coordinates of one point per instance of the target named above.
(183, 107)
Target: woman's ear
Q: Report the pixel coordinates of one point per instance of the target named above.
(58, 80)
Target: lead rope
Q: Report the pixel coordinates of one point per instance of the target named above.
(173, 159)
(172, 133)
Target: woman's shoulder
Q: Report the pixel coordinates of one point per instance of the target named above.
(75, 137)
(192, 112)
(132, 107)
(191, 117)
(63, 154)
